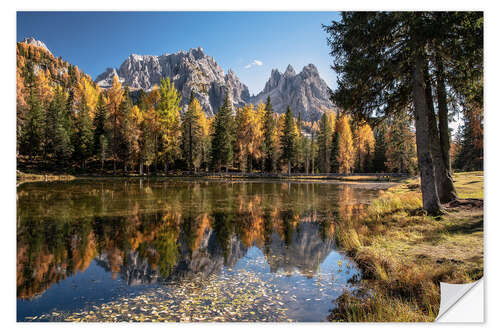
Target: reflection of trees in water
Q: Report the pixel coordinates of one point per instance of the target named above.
(170, 230)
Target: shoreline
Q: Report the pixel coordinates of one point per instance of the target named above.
(37, 176)
(403, 254)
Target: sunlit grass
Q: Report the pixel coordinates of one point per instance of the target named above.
(404, 254)
(469, 184)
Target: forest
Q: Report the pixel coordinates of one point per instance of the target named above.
(64, 120)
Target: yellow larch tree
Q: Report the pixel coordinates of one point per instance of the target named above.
(364, 142)
(115, 98)
(345, 156)
(43, 87)
(249, 135)
(136, 118)
(85, 88)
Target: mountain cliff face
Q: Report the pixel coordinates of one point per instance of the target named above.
(306, 92)
(192, 70)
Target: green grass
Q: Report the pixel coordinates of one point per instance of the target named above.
(469, 184)
(404, 254)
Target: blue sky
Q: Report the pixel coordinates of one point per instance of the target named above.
(249, 43)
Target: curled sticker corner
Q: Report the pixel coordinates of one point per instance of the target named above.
(451, 294)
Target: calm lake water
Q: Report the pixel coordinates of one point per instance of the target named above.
(175, 250)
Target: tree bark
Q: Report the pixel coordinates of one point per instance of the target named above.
(450, 194)
(444, 182)
(430, 197)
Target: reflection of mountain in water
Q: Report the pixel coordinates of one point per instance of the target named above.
(207, 259)
(306, 251)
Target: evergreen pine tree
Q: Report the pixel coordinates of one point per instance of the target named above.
(124, 143)
(334, 155)
(58, 128)
(324, 143)
(470, 139)
(268, 142)
(400, 152)
(32, 131)
(379, 158)
(191, 141)
(99, 124)
(313, 151)
(300, 156)
(83, 138)
(222, 139)
(368, 161)
(288, 139)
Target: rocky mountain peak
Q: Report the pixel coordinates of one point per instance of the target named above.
(194, 70)
(306, 92)
(189, 71)
(290, 71)
(35, 42)
(310, 70)
(197, 53)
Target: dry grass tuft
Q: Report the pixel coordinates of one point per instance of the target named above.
(404, 254)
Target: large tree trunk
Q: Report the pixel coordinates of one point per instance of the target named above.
(430, 197)
(450, 193)
(444, 184)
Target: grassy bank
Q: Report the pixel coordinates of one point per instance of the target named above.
(404, 254)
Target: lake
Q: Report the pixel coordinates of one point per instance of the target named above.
(184, 250)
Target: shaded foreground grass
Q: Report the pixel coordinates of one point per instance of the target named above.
(404, 254)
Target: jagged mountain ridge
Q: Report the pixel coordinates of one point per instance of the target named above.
(192, 70)
(306, 92)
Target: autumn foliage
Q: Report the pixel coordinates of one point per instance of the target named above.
(65, 120)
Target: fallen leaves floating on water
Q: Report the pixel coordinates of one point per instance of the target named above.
(223, 298)
(232, 295)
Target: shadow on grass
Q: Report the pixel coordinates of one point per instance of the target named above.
(466, 228)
